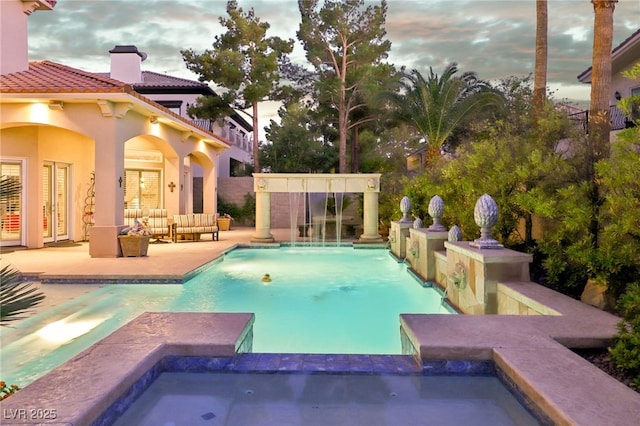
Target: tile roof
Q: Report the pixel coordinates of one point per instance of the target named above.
(150, 78)
(50, 77)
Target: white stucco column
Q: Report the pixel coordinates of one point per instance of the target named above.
(209, 191)
(370, 218)
(263, 218)
(109, 190)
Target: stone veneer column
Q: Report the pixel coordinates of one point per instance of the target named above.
(398, 238)
(482, 270)
(263, 218)
(428, 243)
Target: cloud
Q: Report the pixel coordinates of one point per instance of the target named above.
(496, 39)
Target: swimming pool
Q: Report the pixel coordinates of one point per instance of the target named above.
(319, 300)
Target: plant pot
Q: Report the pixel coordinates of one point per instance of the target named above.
(134, 245)
(224, 224)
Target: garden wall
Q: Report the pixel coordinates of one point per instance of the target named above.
(234, 189)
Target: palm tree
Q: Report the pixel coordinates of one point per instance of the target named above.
(438, 105)
(16, 296)
(540, 73)
(599, 125)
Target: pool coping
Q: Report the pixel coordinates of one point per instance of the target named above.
(535, 353)
(81, 389)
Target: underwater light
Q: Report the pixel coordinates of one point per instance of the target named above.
(63, 331)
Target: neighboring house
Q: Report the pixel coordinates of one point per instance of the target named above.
(623, 57)
(177, 94)
(85, 147)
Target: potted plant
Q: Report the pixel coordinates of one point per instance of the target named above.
(134, 240)
(224, 222)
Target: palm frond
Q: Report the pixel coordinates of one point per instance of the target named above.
(17, 297)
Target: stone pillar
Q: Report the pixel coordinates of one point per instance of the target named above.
(398, 239)
(370, 218)
(423, 247)
(475, 274)
(263, 218)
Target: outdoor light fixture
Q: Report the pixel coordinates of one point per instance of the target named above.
(618, 95)
(153, 119)
(57, 105)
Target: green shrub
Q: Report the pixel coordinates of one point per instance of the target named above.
(244, 215)
(625, 351)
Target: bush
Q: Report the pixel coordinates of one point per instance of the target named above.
(625, 351)
(244, 215)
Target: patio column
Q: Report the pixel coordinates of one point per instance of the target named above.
(109, 193)
(263, 213)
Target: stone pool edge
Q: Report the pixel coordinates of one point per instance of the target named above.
(533, 353)
(80, 390)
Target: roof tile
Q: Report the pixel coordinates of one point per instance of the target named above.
(50, 77)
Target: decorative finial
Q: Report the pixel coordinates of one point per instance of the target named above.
(455, 234)
(436, 209)
(486, 217)
(417, 223)
(405, 208)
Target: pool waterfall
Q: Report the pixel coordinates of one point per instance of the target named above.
(308, 189)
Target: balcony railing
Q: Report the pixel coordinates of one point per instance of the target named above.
(234, 136)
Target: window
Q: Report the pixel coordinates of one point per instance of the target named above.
(142, 189)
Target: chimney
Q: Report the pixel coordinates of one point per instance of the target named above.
(14, 36)
(126, 63)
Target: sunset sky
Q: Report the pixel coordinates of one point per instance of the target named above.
(496, 39)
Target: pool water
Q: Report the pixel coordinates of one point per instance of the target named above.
(319, 300)
(324, 399)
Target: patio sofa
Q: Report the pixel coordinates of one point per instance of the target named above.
(130, 215)
(195, 224)
(158, 223)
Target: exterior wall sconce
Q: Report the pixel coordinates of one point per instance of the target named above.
(56, 105)
(153, 119)
(618, 96)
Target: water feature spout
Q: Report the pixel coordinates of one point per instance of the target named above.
(459, 277)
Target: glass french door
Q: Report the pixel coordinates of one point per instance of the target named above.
(11, 203)
(55, 201)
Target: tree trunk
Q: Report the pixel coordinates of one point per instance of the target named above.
(540, 74)
(599, 125)
(355, 150)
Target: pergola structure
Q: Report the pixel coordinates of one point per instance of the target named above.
(266, 183)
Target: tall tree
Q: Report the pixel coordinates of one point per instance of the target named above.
(297, 145)
(599, 124)
(344, 41)
(540, 73)
(243, 61)
(438, 105)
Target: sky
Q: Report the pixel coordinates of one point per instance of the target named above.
(495, 39)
